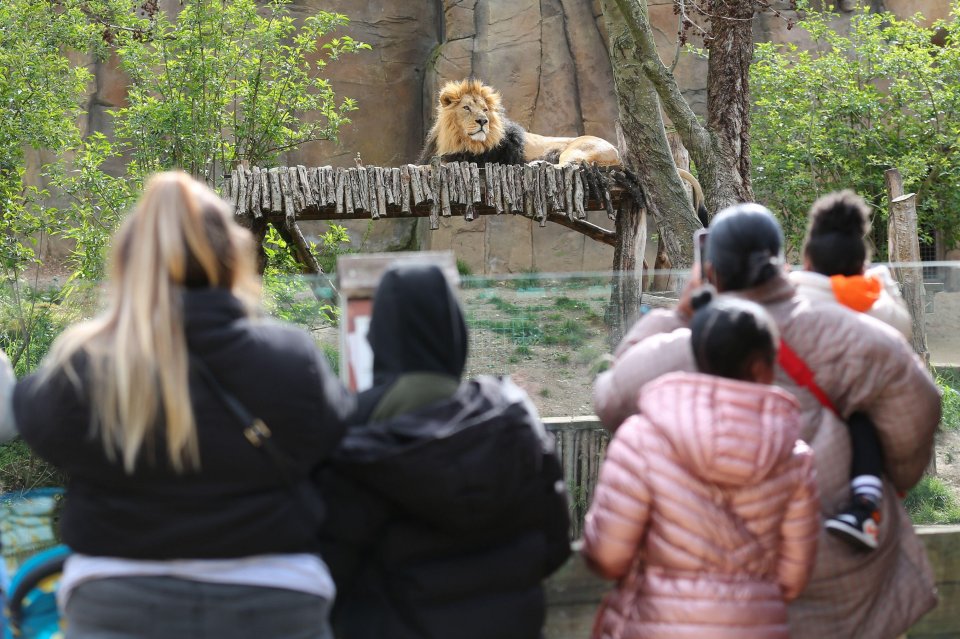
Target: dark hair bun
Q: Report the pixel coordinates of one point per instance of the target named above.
(736, 234)
(842, 212)
(702, 297)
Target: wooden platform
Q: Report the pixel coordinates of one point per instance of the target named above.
(538, 191)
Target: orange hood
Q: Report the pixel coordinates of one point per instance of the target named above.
(858, 292)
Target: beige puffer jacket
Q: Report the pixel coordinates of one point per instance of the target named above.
(889, 308)
(862, 364)
(711, 486)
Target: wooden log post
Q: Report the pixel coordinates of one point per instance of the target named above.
(380, 176)
(903, 243)
(625, 289)
(330, 185)
(317, 187)
(368, 185)
(472, 173)
(288, 183)
(904, 246)
(349, 189)
(434, 188)
(405, 184)
(255, 192)
(446, 177)
(338, 183)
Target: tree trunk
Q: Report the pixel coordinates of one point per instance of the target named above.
(720, 164)
(728, 100)
(649, 153)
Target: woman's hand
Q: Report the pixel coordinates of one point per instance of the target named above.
(684, 306)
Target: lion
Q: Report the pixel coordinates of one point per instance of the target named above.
(471, 126)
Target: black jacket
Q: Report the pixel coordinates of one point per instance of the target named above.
(444, 521)
(236, 504)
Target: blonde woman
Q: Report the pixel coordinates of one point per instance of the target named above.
(181, 526)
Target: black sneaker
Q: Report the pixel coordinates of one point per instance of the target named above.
(858, 525)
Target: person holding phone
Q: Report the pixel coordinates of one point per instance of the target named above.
(849, 363)
(703, 540)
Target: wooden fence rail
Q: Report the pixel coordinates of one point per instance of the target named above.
(582, 446)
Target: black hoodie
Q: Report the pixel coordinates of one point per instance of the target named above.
(444, 518)
(417, 330)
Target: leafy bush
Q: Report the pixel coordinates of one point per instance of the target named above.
(220, 83)
(838, 114)
(21, 470)
(463, 268)
(211, 85)
(950, 405)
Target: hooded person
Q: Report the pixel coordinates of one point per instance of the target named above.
(447, 505)
(419, 340)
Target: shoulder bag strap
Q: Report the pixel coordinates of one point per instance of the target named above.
(794, 366)
(260, 437)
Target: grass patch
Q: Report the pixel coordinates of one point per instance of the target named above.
(529, 279)
(523, 350)
(521, 331)
(567, 333)
(563, 358)
(544, 392)
(932, 502)
(504, 306)
(570, 304)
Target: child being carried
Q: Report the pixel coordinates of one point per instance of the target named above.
(835, 256)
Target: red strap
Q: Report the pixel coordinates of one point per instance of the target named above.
(799, 372)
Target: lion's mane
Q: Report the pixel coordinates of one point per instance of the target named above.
(503, 144)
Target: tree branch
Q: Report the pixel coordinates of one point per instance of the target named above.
(695, 136)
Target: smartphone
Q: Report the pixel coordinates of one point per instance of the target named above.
(700, 250)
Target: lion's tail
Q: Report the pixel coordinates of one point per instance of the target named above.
(698, 199)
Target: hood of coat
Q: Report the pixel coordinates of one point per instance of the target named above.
(814, 286)
(417, 325)
(727, 432)
(457, 464)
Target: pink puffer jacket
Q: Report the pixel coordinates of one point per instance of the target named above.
(712, 486)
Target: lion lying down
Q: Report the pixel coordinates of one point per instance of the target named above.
(470, 126)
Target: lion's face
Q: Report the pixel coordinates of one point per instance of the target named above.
(469, 118)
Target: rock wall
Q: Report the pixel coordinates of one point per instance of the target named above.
(547, 57)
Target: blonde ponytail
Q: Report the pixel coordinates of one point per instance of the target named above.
(179, 232)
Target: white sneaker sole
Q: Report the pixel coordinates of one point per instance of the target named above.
(850, 533)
